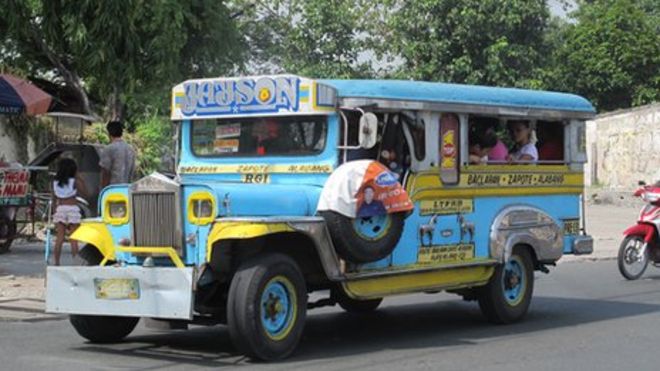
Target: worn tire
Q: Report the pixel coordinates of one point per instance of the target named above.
(100, 329)
(255, 331)
(357, 248)
(353, 305)
(9, 228)
(501, 304)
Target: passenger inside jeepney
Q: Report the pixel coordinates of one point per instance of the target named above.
(393, 149)
(481, 143)
(551, 141)
(484, 129)
(270, 137)
(524, 138)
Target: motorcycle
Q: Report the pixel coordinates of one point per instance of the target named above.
(641, 244)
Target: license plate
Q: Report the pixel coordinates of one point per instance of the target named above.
(117, 288)
(571, 226)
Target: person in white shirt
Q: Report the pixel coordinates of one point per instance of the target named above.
(524, 137)
(66, 186)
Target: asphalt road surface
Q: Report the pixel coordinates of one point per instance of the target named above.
(583, 316)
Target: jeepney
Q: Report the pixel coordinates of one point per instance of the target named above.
(360, 189)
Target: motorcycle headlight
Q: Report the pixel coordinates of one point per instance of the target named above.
(115, 209)
(201, 208)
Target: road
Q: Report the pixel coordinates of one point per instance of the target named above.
(584, 315)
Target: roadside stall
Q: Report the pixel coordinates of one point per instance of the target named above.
(17, 97)
(26, 200)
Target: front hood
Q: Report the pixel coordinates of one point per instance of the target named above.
(266, 199)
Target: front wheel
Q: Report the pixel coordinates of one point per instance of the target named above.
(100, 329)
(267, 306)
(633, 257)
(506, 297)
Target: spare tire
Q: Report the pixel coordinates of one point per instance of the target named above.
(366, 239)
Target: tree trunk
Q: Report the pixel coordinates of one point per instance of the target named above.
(115, 105)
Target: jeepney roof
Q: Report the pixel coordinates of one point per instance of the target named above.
(468, 98)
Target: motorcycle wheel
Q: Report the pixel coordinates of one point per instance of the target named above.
(631, 263)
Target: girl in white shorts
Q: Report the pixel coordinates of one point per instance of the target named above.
(67, 213)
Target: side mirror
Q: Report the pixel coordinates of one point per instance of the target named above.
(641, 183)
(368, 133)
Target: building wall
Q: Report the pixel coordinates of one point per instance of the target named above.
(16, 146)
(623, 147)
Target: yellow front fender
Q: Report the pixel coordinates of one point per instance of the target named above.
(97, 234)
(241, 230)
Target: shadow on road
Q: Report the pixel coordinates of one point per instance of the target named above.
(418, 326)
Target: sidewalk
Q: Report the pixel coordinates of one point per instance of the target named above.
(606, 223)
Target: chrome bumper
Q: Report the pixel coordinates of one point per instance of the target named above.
(583, 245)
(120, 291)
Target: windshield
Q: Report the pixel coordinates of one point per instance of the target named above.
(264, 136)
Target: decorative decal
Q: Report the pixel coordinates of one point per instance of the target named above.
(381, 193)
(445, 254)
(14, 185)
(446, 206)
(247, 95)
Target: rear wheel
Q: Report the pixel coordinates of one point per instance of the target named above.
(267, 306)
(353, 305)
(506, 297)
(101, 329)
(633, 258)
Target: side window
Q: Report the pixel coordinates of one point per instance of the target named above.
(486, 141)
(551, 142)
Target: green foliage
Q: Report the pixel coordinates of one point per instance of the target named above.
(122, 51)
(151, 140)
(611, 54)
(314, 38)
(488, 42)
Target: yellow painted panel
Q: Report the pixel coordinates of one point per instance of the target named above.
(379, 287)
(511, 181)
(97, 234)
(257, 169)
(242, 230)
(169, 251)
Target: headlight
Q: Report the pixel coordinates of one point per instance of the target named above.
(202, 208)
(117, 209)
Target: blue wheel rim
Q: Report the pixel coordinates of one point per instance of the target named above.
(513, 281)
(277, 308)
(372, 227)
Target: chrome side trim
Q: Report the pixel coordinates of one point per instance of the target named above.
(528, 225)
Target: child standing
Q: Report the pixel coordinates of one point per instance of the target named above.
(67, 213)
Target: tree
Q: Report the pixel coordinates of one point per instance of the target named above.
(488, 42)
(314, 38)
(611, 54)
(119, 51)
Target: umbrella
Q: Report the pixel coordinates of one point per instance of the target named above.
(19, 96)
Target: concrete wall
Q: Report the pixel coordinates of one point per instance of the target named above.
(16, 146)
(623, 147)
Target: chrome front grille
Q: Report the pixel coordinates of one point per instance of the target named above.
(154, 220)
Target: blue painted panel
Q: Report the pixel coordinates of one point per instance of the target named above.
(460, 94)
(195, 253)
(485, 210)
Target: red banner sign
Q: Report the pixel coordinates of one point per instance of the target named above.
(14, 183)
